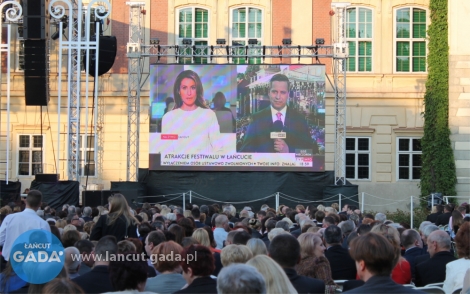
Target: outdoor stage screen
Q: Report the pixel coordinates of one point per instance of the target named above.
(237, 117)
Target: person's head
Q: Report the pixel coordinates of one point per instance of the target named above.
(62, 286)
(178, 231)
(70, 237)
(72, 263)
(392, 235)
(257, 247)
(166, 264)
(380, 217)
(270, 224)
(410, 238)
(438, 241)
(241, 238)
(196, 213)
(427, 230)
(202, 266)
(311, 245)
(276, 232)
(285, 250)
(374, 255)
(461, 241)
(347, 227)
(279, 91)
(275, 277)
(235, 254)
(126, 246)
(34, 199)
(188, 90)
(319, 216)
(219, 100)
(448, 208)
(457, 220)
(283, 225)
(106, 246)
(152, 240)
(118, 207)
(300, 208)
(333, 235)
(85, 247)
(221, 221)
(202, 237)
(240, 278)
(128, 273)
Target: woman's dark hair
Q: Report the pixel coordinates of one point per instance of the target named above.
(203, 266)
(70, 237)
(126, 273)
(178, 231)
(187, 225)
(55, 231)
(144, 229)
(62, 285)
(94, 212)
(189, 74)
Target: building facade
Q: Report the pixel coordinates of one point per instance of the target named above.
(386, 75)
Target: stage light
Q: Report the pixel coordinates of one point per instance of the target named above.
(187, 42)
(55, 35)
(221, 41)
(154, 41)
(237, 43)
(253, 41)
(320, 41)
(287, 41)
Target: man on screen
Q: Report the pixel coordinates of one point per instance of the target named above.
(277, 118)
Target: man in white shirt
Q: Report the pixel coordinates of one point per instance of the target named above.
(220, 232)
(17, 223)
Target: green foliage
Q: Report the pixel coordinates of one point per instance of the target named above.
(401, 216)
(438, 165)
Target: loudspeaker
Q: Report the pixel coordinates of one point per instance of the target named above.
(107, 54)
(91, 198)
(35, 73)
(35, 20)
(47, 178)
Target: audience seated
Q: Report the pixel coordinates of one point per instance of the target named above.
(411, 240)
(240, 278)
(85, 247)
(235, 254)
(342, 265)
(274, 276)
(62, 286)
(456, 269)
(128, 274)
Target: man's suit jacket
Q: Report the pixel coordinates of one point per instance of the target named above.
(382, 284)
(95, 281)
(342, 265)
(201, 285)
(411, 255)
(258, 139)
(304, 284)
(434, 269)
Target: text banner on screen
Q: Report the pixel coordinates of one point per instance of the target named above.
(237, 117)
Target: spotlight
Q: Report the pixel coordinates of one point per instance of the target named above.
(187, 42)
(221, 41)
(320, 41)
(287, 41)
(236, 43)
(55, 35)
(253, 41)
(154, 41)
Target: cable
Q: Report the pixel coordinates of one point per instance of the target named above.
(52, 141)
(85, 145)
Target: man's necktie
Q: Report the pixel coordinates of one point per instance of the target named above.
(279, 115)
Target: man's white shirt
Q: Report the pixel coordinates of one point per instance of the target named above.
(16, 224)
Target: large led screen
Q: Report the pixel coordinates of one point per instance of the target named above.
(237, 117)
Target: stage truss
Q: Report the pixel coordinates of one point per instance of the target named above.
(137, 51)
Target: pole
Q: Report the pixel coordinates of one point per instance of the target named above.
(340, 206)
(362, 202)
(432, 199)
(411, 214)
(190, 196)
(277, 201)
(184, 202)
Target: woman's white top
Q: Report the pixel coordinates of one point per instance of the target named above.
(198, 131)
(455, 272)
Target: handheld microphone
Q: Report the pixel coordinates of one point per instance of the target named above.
(277, 132)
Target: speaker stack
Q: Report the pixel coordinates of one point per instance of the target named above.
(35, 23)
(106, 55)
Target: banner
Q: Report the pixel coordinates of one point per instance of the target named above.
(237, 117)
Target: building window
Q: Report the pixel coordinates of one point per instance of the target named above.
(30, 155)
(409, 158)
(193, 23)
(359, 37)
(247, 23)
(20, 55)
(358, 158)
(87, 156)
(410, 40)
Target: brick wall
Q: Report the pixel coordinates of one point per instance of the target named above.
(282, 23)
(120, 29)
(322, 26)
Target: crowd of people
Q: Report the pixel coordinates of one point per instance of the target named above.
(215, 249)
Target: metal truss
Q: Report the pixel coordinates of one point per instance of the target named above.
(338, 52)
(134, 79)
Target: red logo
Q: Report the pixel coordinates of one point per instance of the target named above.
(169, 137)
(308, 159)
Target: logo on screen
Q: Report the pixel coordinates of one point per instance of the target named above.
(303, 153)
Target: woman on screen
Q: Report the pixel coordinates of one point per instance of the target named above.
(195, 124)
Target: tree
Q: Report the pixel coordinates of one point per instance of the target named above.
(438, 165)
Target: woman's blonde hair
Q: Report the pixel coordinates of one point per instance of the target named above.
(235, 254)
(145, 217)
(392, 235)
(119, 207)
(276, 279)
(257, 246)
(187, 213)
(61, 223)
(308, 242)
(202, 237)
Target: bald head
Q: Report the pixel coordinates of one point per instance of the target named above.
(438, 241)
(410, 238)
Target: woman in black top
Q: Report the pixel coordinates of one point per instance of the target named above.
(119, 222)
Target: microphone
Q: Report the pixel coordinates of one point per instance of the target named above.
(277, 130)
